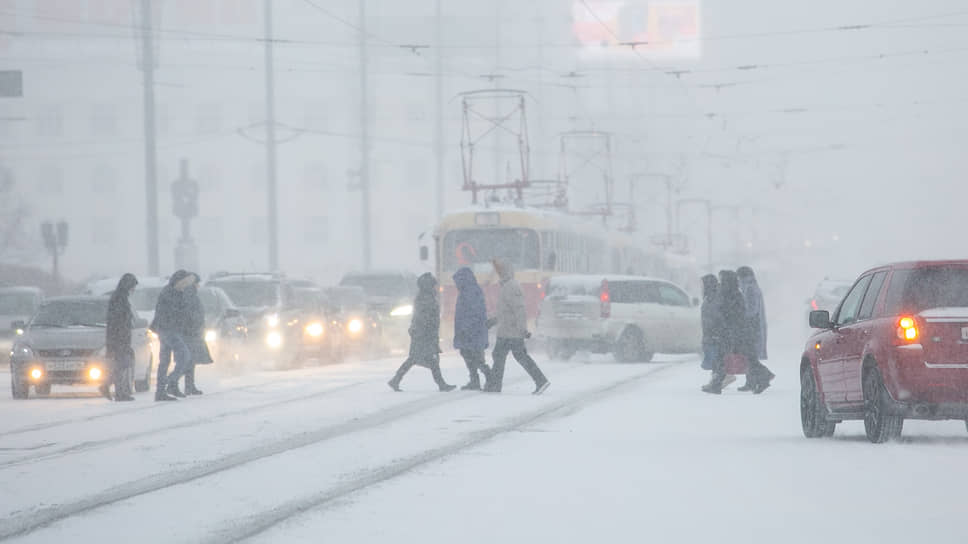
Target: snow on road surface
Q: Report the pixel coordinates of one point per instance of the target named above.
(611, 452)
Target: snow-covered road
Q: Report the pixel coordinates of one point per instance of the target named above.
(615, 453)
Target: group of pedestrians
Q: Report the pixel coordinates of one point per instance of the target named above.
(471, 324)
(180, 325)
(734, 328)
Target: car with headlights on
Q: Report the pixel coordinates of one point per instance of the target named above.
(17, 304)
(276, 319)
(63, 344)
(895, 348)
(225, 327)
(348, 312)
(389, 299)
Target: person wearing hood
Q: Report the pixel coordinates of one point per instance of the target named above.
(470, 327)
(712, 330)
(738, 336)
(756, 321)
(511, 319)
(194, 331)
(169, 325)
(424, 335)
(117, 345)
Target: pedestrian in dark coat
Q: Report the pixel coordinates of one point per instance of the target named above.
(194, 332)
(424, 335)
(511, 319)
(169, 325)
(712, 324)
(117, 346)
(470, 327)
(755, 308)
(739, 337)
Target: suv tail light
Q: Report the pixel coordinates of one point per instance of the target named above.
(606, 300)
(907, 329)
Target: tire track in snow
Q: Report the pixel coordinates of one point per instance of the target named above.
(32, 520)
(94, 444)
(251, 526)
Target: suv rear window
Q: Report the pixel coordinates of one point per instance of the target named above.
(633, 292)
(926, 288)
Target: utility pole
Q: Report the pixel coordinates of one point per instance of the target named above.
(365, 140)
(272, 218)
(439, 95)
(151, 170)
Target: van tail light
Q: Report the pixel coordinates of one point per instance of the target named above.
(907, 329)
(606, 300)
(813, 304)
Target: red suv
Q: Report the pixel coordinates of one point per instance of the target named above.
(895, 348)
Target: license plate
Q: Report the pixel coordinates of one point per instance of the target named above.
(64, 365)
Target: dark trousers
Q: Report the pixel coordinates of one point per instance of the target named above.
(433, 365)
(475, 361)
(172, 343)
(516, 347)
(120, 375)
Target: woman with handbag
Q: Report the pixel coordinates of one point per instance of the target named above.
(739, 341)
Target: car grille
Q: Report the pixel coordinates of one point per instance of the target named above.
(66, 353)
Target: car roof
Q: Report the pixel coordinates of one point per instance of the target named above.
(21, 289)
(245, 276)
(597, 279)
(906, 265)
(379, 273)
(77, 298)
(108, 285)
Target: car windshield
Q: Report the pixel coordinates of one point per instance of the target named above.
(251, 294)
(347, 299)
(18, 303)
(71, 313)
(381, 286)
(476, 248)
(144, 299)
(209, 302)
(940, 287)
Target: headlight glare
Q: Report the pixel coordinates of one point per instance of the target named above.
(354, 326)
(95, 373)
(211, 335)
(314, 329)
(274, 340)
(272, 320)
(401, 311)
(36, 373)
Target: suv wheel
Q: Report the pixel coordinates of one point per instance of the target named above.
(813, 413)
(878, 424)
(18, 389)
(631, 347)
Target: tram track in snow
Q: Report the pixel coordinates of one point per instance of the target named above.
(31, 520)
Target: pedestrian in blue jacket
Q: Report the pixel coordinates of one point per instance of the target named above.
(470, 327)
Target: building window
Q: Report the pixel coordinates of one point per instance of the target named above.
(317, 230)
(104, 119)
(257, 231)
(50, 122)
(104, 179)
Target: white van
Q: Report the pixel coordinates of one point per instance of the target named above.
(630, 316)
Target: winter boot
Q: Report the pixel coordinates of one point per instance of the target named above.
(124, 398)
(748, 386)
(394, 384)
(541, 387)
(161, 395)
(105, 391)
(715, 385)
(446, 387)
(174, 391)
(764, 381)
(473, 385)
